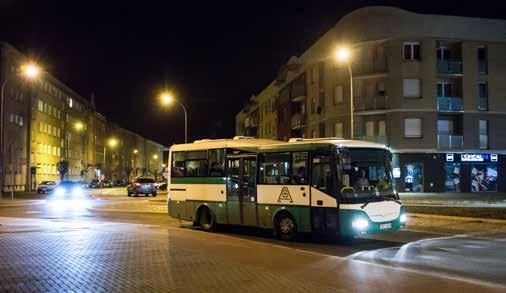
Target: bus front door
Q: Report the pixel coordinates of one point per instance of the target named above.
(241, 191)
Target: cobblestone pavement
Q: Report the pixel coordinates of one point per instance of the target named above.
(76, 255)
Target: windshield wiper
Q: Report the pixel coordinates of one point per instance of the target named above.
(369, 200)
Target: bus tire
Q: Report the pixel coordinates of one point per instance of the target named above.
(286, 227)
(206, 219)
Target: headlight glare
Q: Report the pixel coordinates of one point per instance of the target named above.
(403, 218)
(360, 224)
(77, 191)
(59, 191)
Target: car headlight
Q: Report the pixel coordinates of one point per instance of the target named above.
(77, 191)
(403, 218)
(59, 191)
(360, 224)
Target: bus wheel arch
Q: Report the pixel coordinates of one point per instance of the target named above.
(285, 225)
(205, 218)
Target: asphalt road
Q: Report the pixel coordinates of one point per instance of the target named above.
(172, 256)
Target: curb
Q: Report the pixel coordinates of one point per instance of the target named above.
(27, 202)
(455, 218)
(126, 211)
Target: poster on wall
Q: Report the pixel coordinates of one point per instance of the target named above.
(452, 181)
(483, 177)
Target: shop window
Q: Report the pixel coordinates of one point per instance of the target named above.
(483, 177)
(413, 177)
(452, 181)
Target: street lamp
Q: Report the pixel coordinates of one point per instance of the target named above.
(167, 99)
(78, 126)
(29, 71)
(343, 55)
(111, 142)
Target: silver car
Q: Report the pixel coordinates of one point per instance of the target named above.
(142, 185)
(46, 187)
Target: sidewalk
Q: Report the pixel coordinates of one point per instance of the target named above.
(475, 205)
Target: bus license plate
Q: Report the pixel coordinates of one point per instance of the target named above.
(386, 226)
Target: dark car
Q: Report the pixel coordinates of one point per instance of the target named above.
(95, 183)
(106, 183)
(68, 189)
(46, 187)
(120, 183)
(162, 185)
(142, 185)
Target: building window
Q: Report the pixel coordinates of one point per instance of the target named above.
(411, 51)
(314, 74)
(40, 106)
(444, 89)
(369, 128)
(70, 102)
(483, 134)
(411, 88)
(338, 129)
(412, 127)
(338, 94)
(482, 60)
(382, 128)
(482, 96)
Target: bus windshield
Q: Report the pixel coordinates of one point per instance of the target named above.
(364, 173)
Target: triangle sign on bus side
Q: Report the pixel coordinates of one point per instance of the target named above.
(285, 195)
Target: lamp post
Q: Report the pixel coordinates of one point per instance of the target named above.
(135, 152)
(29, 71)
(167, 99)
(79, 127)
(155, 157)
(111, 142)
(343, 55)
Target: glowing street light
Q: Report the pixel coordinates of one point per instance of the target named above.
(343, 55)
(155, 157)
(135, 151)
(79, 126)
(30, 71)
(112, 142)
(167, 99)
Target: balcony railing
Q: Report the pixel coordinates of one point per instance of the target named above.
(297, 121)
(371, 103)
(376, 139)
(445, 141)
(450, 66)
(450, 104)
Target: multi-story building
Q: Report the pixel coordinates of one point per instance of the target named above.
(51, 132)
(430, 87)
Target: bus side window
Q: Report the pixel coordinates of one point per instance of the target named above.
(196, 164)
(178, 164)
(217, 163)
(275, 168)
(299, 169)
(322, 174)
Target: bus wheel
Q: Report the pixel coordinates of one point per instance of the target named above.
(206, 219)
(285, 227)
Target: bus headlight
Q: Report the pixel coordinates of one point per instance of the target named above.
(59, 191)
(403, 218)
(360, 224)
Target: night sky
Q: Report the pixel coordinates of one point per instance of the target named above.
(214, 55)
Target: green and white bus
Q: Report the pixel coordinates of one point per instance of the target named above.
(325, 185)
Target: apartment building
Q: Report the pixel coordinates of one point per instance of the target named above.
(431, 87)
(48, 126)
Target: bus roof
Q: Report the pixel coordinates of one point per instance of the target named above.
(253, 144)
(238, 142)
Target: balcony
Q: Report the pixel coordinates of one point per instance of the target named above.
(446, 141)
(371, 104)
(449, 66)
(376, 139)
(297, 121)
(450, 104)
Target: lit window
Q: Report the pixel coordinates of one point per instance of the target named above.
(412, 127)
(411, 88)
(70, 102)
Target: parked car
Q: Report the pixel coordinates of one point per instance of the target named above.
(95, 183)
(161, 185)
(68, 189)
(142, 185)
(106, 183)
(83, 184)
(46, 187)
(120, 183)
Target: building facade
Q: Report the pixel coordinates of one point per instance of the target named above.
(430, 87)
(52, 133)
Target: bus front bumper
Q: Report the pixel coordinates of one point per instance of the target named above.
(356, 223)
